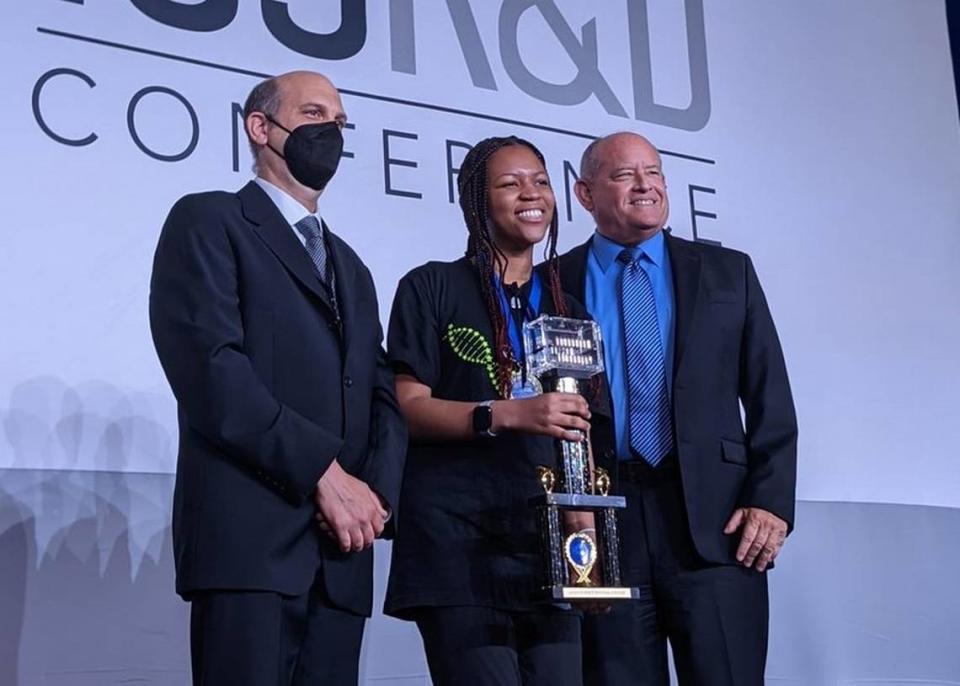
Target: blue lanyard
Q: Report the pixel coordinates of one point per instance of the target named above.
(529, 313)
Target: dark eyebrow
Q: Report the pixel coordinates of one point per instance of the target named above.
(539, 172)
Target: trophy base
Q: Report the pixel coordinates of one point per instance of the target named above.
(579, 501)
(591, 593)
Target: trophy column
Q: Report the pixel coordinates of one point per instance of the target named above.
(574, 462)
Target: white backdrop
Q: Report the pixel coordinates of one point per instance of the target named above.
(832, 145)
(820, 137)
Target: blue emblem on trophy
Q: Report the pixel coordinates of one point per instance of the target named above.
(562, 354)
(581, 553)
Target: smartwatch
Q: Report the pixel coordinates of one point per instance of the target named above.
(483, 419)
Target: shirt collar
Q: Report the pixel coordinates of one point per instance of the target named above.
(289, 207)
(606, 250)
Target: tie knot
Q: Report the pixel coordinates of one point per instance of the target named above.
(309, 227)
(626, 257)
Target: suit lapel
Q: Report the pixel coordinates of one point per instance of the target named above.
(345, 271)
(573, 271)
(685, 264)
(277, 234)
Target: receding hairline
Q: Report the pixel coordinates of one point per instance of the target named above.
(278, 85)
(281, 79)
(590, 160)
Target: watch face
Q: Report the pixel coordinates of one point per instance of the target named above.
(482, 418)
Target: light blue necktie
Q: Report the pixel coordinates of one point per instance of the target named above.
(309, 227)
(651, 426)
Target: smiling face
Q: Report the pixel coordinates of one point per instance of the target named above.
(520, 198)
(625, 189)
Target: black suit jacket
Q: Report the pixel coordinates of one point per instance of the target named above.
(271, 386)
(726, 353)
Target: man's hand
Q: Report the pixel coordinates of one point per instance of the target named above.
(763, 535)
(348, 510)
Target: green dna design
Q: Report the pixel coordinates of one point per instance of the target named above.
(470, 346)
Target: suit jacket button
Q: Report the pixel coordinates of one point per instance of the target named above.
(348, 382)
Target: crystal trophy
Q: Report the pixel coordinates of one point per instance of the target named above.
(563, 354)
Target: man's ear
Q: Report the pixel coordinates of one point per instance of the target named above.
(256, 126)
(582, 191)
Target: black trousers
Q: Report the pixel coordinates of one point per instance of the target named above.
(258, 638)
(715, 616)
(481, 645)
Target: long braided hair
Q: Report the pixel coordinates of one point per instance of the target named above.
(485, 254)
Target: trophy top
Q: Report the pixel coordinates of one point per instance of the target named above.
(563, 346)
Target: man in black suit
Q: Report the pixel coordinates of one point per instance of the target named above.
(688, 338)
(291, 442)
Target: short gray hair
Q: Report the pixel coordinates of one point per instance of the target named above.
(265, 97)
(589, 160)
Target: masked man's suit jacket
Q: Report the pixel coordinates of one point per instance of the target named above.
(271, 386)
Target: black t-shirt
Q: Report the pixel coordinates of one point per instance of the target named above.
(466, 534)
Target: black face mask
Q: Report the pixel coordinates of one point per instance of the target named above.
(312, 152)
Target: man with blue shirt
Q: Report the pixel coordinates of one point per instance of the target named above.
(688, 339)
(291, 442)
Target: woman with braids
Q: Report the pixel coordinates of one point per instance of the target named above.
(466, 558)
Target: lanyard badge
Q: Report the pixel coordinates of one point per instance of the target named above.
(516, 312)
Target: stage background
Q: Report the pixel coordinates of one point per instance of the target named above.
(821, 137)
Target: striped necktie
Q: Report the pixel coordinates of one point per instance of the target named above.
(651, 426)
(309, 227)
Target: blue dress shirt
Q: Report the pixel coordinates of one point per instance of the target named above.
(603, 302)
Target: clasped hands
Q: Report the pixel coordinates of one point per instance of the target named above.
(348, 510)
